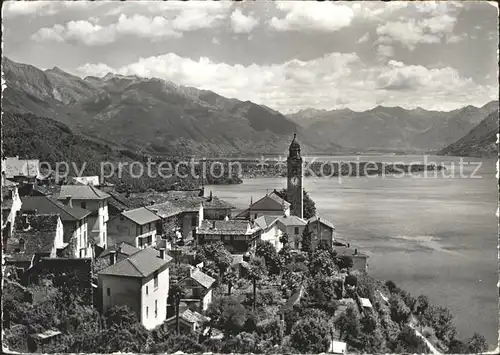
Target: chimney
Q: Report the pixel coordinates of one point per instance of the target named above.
(348, 245)
(112, 257)
(210, 197)
(68, 202)
(162, 253)
(213, 224)
(355, 251)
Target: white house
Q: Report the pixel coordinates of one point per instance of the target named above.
(140, 282)
(11, 204)
(74, 219)
(198, 286)
(270, 230)
(137, 227)
(90, 198)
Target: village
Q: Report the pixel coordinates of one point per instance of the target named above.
(133, 248)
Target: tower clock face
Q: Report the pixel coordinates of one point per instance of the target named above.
(294, 181)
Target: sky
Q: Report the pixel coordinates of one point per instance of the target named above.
(288, 55)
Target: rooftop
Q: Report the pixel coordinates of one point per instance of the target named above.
(201, 278)
(82, 192)
(37, 235)
(141, 264)
(345, 251)
(265, 221)
(270, 202)
(141, 216)
(45, 204)
(291, 221)
(122, 248)
(13, 166)
(231, 227)
(322, 221)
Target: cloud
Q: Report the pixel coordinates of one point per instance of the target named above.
(11, 9)
(312, 16)
(409, 33)
(385, 50)
(171, 21)
(241, 23)
(364, 38)
(333, 80)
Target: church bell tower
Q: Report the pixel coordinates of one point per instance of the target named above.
(295, 192)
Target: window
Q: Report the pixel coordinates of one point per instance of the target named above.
(296, 230)
(156, 279)
(147, 290)
(156, 308)
(147, 311)
(108, 291)
(194, 221)
(83, 204)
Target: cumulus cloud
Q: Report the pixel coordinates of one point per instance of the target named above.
(172, 20)
(11, 9)
(333, 80)
(312, 16)
(409, 33)
(241, 23)
(364, 38)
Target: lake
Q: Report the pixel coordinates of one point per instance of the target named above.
(430, 235)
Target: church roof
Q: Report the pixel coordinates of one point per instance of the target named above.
(270, 202)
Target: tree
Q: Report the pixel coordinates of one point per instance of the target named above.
(267, 251)
(228, 314)
(230, 278)
(399, 310)
(321, 262)
(311, 335)
(441, 319)
(421, 305)
(477, 343)
(256, 271)
(177, 292)
(217, 253)
(343, 262)
(306, 242)
(322, 293)
(409, 342)
(349, 328)
(284, 239)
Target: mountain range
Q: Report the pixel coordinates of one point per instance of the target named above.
(149, 114)
(393, 128)
(160, 117)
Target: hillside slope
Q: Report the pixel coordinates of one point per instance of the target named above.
(479, 142)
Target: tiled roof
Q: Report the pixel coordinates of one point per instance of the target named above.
(19, 167)
(122, 248)
(48, 190)
(141, 264)
(82, 192)
(216, 203)
(44, 204)
(172, 208)
(201, 278)
(291, 221)
(38, 237)
(231, 227)
(270, 202)
(141, 216)
(119, 201)
(266, 221)
(193, 317)
(322, 221)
